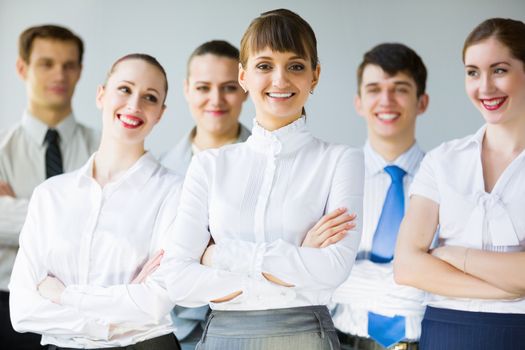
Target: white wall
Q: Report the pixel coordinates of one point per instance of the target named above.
(171, 29)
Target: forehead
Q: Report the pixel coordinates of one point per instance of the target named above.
(59, 50)
(211, 67)
(487, 52)
(138, 72)
(374, 74)
(268, 52)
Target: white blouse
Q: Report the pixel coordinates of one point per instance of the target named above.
(90, 238)
(452, 176)
(257, 200)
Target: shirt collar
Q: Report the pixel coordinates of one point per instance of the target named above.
(281, 141)
(37, 129)
(474, 140)
(408, 161)
(136, 176)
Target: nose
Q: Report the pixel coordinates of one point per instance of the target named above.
(134, 103)
(486, 84)
(386, 97)
(280, 78)
(216, 96)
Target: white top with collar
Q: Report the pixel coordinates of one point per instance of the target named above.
(22, 165)
(257, 200)
(371, 286)
(452, 176)
(91, 238)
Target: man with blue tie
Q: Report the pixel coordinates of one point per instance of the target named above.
(372, 311)
(46, 142)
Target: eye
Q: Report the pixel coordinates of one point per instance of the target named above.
(401, 89)
(71, 66)
(472, 73)
(202, 88)
(296, 67)
(263, 66)
(499, 70)
(124, 89)
(151, 98)
(46, 64)
(373, 90)
(230, 88)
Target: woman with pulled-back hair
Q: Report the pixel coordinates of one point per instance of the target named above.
(95, 228)
(474, 189)
(269, 274)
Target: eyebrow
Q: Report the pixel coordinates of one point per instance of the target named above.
(271, 59)
(492, 65)
(148, 89)
(398, 82)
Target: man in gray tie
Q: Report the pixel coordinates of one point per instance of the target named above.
(46, 142)
(372, 311)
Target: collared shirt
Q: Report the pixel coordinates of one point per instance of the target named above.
(179, 157)
(22, 165)
(452, 176)
(93, 238)
(258, 200)
(371, 286)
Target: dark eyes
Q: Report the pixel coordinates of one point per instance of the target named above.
(294, 67)
(148, 97)
(225, 88)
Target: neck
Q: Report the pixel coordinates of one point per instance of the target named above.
(390, 150)
(274, 123)
(206, 140)
(50, 116)
(505, 138)
(114, 159)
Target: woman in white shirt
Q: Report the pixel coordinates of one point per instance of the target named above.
(97, 226)
(266, 280)
(474, 189)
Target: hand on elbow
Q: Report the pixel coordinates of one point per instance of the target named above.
(51, 288)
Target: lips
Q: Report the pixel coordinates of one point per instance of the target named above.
(58, 89)
(216, 112)
(280, 95)
(493, 104)
(387, 117)
(130, 121)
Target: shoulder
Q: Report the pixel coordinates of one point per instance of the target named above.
(452, 149)
(9, 137)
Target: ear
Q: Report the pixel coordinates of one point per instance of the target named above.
(358, 105)
(21, 68)
(100, 95)
(316, 74)
(422, 104)
(242, 77)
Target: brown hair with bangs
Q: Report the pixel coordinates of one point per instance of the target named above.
(280, 30)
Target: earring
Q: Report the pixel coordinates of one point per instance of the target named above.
(311, 92)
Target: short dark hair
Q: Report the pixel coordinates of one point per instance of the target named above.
(219, 48)
(47, 31)
(281, 30)
(509, 32)
(142, 57)
(394, 58)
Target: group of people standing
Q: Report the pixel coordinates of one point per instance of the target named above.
(289, 240)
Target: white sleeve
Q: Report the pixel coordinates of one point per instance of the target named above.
(312, 268)
(130, 304)
(189, 283)
(425, 182)
(13, 212)
(30, 312)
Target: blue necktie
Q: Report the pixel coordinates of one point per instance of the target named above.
(388, 330)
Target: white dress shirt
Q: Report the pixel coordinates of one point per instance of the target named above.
(452, 176)
(179, 157)
(22, 165)
(91, 238)
(258, 200)
(371, 286)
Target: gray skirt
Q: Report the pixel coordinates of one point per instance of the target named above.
(301, 328)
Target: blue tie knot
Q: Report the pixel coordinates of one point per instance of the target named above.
(395, 172)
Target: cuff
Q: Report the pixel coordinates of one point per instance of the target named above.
(239, 256)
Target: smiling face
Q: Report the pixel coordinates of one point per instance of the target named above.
(495, 81)
(132, 101)
(213, 94)
(390, 105)
(279, 84)
(50, 74)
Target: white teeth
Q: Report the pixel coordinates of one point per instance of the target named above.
(280, 95)
(387, 116)
(129, 121)
(492, 102)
